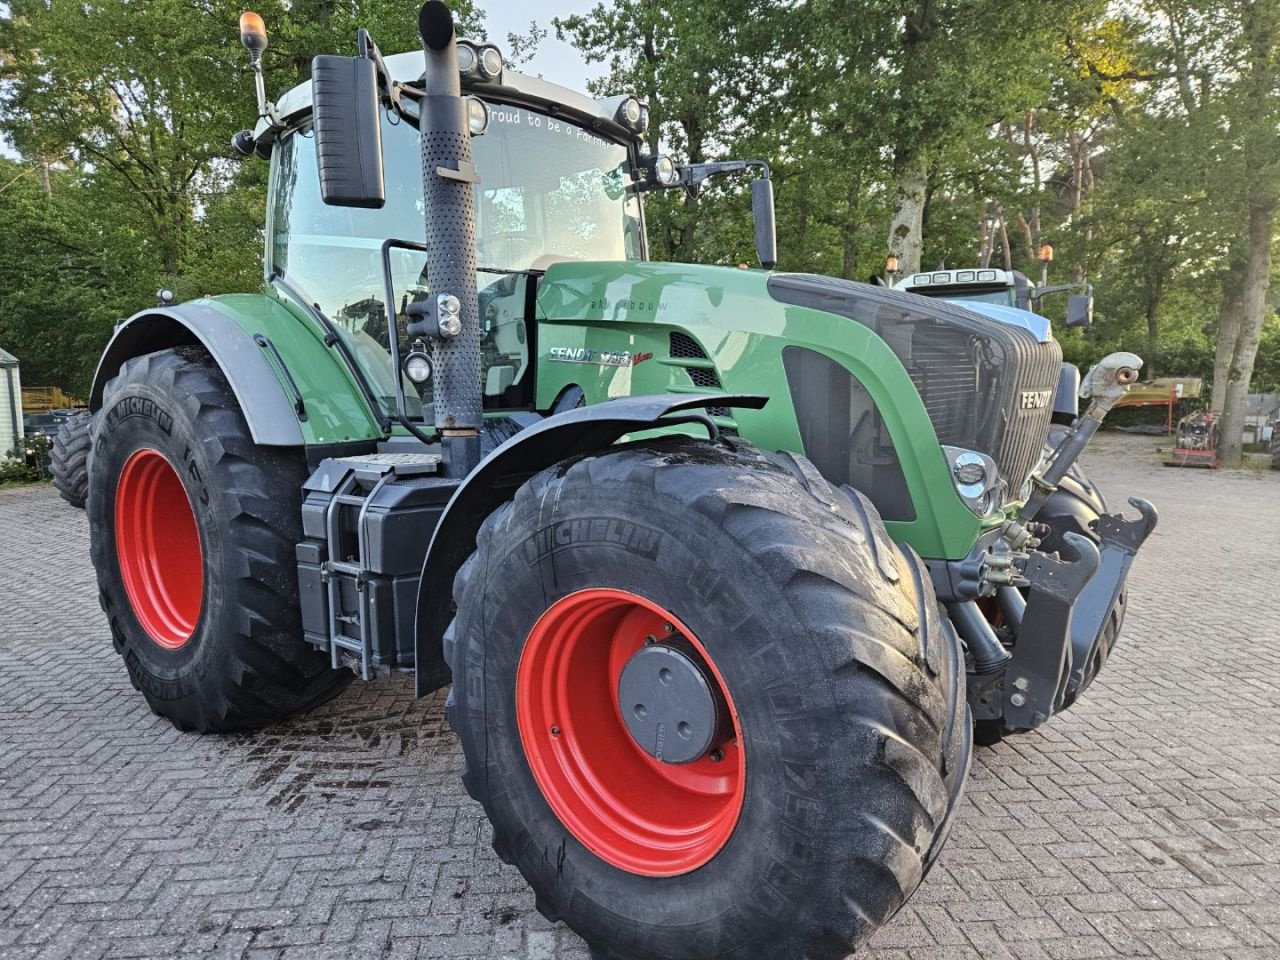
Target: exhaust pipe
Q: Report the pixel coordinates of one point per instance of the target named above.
(448, 175)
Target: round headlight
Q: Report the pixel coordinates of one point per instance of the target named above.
(467, 59)
(490, 62)
(630, 112)
(664, 171)
(977, 479)
(450, 324)
(417, 367)
(477, 116)
(970, 471)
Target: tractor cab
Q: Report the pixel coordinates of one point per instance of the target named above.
(1001, 288)
(559, 180)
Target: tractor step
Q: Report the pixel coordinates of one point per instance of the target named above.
(367, 520)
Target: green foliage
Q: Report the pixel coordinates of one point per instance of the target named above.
(26, 463)
(123, 112)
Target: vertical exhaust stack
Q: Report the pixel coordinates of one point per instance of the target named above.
(448, 176)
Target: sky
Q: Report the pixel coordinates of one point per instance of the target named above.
(555, 61)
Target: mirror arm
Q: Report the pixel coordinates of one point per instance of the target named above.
(390, 91)
(696, 173)
(1039, 292)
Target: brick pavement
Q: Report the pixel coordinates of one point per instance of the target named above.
(1144, 823)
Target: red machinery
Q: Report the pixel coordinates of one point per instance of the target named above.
(1196, 442)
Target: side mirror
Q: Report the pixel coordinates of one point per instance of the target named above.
(348, 131)
(1080, 310)
(762, 213)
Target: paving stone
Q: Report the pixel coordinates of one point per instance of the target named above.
(1143, 823)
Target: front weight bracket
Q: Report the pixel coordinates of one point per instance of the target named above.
(1037, 676)
(1121, 539)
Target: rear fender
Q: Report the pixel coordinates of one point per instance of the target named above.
(291, 387)
(495, 481)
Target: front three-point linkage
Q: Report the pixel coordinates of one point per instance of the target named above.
(1068, 597)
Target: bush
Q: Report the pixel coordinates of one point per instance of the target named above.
(27, 463)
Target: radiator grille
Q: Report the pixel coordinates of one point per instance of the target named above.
(971, 371)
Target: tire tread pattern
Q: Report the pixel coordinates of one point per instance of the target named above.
(272, 672)
(896, 662)
(69, 459)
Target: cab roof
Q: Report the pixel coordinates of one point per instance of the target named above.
(987, 276)
(512, 86)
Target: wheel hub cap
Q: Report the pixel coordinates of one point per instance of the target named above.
(667, 704)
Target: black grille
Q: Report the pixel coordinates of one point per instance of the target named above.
(704, 378)
(684, 347)
(972, 372)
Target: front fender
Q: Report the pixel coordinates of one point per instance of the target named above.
(496, 479)
(291, 387)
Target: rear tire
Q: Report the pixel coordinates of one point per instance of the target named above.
(193, 528)
(69, 459)
(846, 686)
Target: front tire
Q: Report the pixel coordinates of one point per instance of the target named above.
(192, 532)
(831, 782)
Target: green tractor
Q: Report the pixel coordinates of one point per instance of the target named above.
(722, 565)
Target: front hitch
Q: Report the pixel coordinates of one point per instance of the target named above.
(1037, 676)
(1058, 634)
(1106, 382)
(1120, 539)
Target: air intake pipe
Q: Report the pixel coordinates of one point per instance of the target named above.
(448, 176)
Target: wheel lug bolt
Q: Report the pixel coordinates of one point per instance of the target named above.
(716, 755)
(650, 640)
(669, 628)
(555, 731)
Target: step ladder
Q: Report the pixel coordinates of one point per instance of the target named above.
(349, 634)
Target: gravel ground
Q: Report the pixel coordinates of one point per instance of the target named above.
(1145, 823)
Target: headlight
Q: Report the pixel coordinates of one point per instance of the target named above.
(977, 480)
(490, 62)
(633, 115)
(468, 59)
(417, 365)
(629, 112)
(477, 116)
(662, 170)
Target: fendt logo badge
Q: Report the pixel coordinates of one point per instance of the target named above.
(1036, 399)
(601, 358)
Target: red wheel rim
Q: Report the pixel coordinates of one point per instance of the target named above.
(158, 545)
(631, 810)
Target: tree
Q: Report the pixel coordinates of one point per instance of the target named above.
(123, 113)
(1225, 79)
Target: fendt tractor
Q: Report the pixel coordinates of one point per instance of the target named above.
(725, 566)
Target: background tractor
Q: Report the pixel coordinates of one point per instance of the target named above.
(721, 564)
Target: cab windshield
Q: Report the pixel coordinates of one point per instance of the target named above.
(549, 191)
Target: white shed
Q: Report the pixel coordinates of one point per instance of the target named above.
(10, 403)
